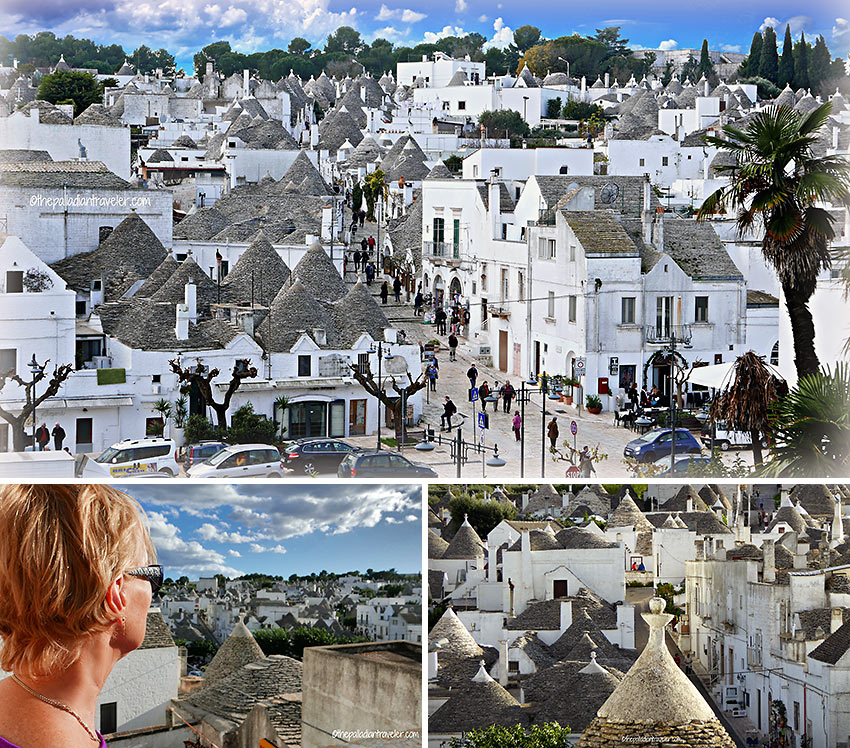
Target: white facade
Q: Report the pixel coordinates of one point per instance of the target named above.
(436, 72)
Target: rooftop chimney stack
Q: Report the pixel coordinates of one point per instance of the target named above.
(246, 83)
(646, 215)
(837, 620)
(190, 299)
(768, 552)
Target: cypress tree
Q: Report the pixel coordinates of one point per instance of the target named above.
(705, 67)
(750, 66)
(819, 65)
(769, 64)
(786, 63)
(801, 63)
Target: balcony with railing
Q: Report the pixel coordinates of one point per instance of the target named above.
(441, 250)
(664, 334)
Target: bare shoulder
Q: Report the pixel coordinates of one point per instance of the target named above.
(28, 725)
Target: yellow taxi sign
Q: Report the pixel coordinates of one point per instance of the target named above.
(266, 744)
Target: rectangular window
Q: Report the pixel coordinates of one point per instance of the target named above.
(14, 281)
(546, 249)
(362, 362)
(572, 309)
(456, 237)
(80, 308)
(8, 361)
(701, 309)
(665, 161)
(305, 366)
(109, 717)
(484, 276)
(505, 285)
(439, 230)
(551, 309)
(628, 310)
(520, 281)
(572, 252)
(643, 162)
(83, 433)
(461, 105)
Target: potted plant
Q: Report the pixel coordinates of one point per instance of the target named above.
(163, 407)
(181, 414)
(567, 394)
(594, 404)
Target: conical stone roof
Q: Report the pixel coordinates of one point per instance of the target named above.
(465, 544)
(302, 172)
(239, 649)
(293, 312)
(440, 171)
(628, 514)
(356, 313)
(319, 275)
(174, 289)
(166, 269)
(260, 272)
(436, 545)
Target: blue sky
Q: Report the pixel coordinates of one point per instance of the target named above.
(184, 26)
(234, 529)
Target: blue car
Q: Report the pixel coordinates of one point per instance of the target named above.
(658, 443)
(686, 464)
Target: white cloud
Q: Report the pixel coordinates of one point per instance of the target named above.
(432, 37)
(405, 15)
(210, 532)
(841, 32)
(731, 48)
(412, 518)
(503, 36)
(668, 44)
(390, 33)
(232, 16)
(180, 557)
(278, 549)
(461, 6)
(234, 553)
(483, 19)
(769, 21)
(257, 548)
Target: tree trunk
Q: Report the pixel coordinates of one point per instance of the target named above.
(398, 418)
(757, 455)
(803, 331)
(19, 436)
(221, 414)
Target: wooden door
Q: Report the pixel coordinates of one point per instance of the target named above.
(356, 417)
(503, 350)
(559, 588)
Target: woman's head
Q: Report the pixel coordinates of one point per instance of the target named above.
(64, 551)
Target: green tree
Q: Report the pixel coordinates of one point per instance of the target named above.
(610, 36)
(553, 108)
(497, 61)
(199, 429)
(549, 735)
(210, 53)
(819, 67)
(483, 515)
(68, 85)
(298, 46)
(503, 123)
(810, 427)
(775, 184)
(667, 75)
(454, 164)
(344, 40)
(751, 65)
(525, 37)
(706, 66)
(689, 69)
(769, 63)
(374, 186)
(801, 63)
(786, 62)
(248, 427)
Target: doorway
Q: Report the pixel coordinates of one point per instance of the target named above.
(307, 419)
(503, 350)
(559, 588)
(536, 357)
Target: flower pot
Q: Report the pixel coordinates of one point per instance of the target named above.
(567, 399)
(179, 436)
(595, 411)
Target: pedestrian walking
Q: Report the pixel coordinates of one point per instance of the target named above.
(507, 393)
(58, 434)
(357, 260)
(417, 304)
(370, 273)
(472, 375)
(483, 394)
(371, 243)
(385, 292)
(362, 216)
(397, 289)
(553, 433)
(433, 374)
(585, 462)
(42, 436)
(440, 319)
(516, 424)
(364, 246)
(449, 409)
(453, 343)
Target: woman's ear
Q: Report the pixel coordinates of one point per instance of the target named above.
(116, 600)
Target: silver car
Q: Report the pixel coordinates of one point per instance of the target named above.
(241, 461)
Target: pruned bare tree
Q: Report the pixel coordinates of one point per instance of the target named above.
(203, 378)
(365, 378)
(31, 401)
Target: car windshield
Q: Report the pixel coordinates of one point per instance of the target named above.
(218, 457)
(107, 455)
(650, 435)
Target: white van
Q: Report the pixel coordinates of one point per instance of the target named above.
(132, 458)
(241, 461)
(727, 440)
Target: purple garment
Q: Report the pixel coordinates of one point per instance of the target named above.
(7, 744)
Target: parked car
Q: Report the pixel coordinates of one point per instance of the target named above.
(324, 455)
(240, 461)
(659, 442)
(140, 457)
(686, 464)
(381, 463)
(192, 454)
(726, 439)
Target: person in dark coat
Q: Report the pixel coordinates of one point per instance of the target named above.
(417, 303)
(472, 375)
(507, 393)
(553, 432)
(42, 437)
(370, 273)
(364, 245)
(483, 394)
(453, 343)
(58, 434)
(356, 260)
(385, 292)
(362, 216)
(449, 409)
(397, 289)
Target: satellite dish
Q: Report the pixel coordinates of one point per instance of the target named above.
(609, 193)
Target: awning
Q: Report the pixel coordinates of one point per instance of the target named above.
(720, 376)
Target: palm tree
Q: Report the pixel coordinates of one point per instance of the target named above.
(746, 402)
(775, 181)
(811, 427)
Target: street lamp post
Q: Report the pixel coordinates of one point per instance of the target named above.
(522, 430)
(544, 390)
(672, 350)
(381, 388)
(36, 369)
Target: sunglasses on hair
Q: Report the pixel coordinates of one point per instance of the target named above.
(152, 574)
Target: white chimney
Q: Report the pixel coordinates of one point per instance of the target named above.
(320, 335)
(246, 85)
(190, 298)
(689, 505)
(314, 135)
(503, 664)
(646, 215)
(181, 327)
(837, 620)
(835, 138)
(607, 80)
(495, 208)
(245, 321)
(566, 615)
(768, 553)
(659, 245)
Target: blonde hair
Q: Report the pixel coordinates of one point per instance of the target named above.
(61, 546)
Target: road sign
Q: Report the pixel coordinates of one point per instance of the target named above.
(573, 472)
(580, 364)
(473, 394)
(483, 421)
(573, 428)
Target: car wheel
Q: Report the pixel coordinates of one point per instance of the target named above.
(166, 471)
(724, 446)
(273, 475)
(649, 457)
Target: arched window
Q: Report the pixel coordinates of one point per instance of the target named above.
(564, 170)
(774, 354)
